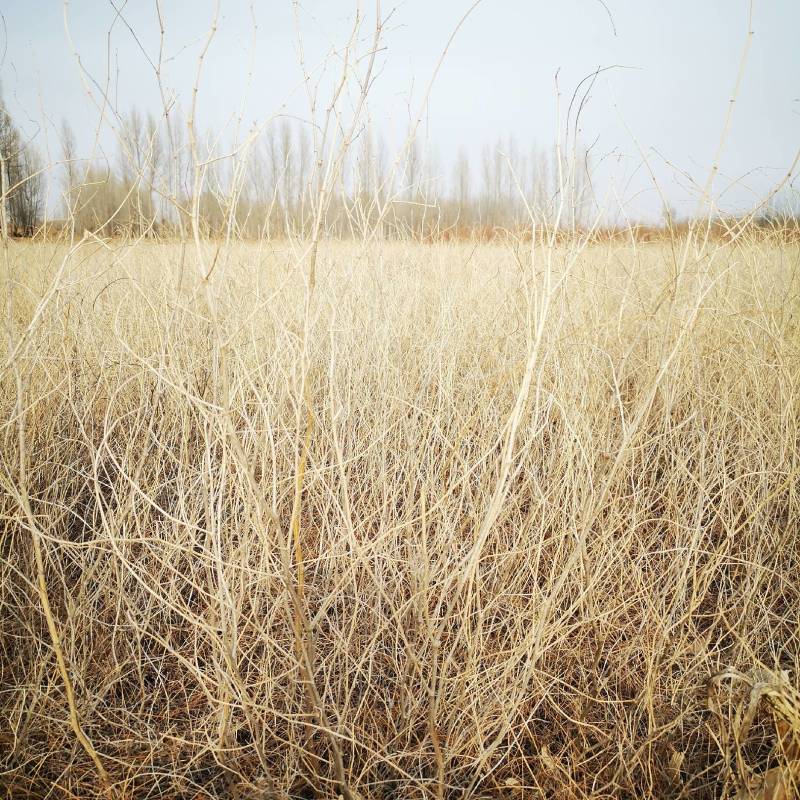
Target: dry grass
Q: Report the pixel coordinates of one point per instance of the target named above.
(459, 523)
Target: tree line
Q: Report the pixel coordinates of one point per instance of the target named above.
(266, 185)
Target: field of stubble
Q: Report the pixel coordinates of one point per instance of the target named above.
(464, 521)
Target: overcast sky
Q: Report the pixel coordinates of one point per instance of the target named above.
(678, 63)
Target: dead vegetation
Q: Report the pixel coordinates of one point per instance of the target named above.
(462, 521)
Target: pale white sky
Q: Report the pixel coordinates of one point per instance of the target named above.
(681, 60)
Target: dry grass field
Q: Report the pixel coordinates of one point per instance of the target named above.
(463, 521)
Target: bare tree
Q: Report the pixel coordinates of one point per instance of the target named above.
(7, 148)
(155, 182)
(69, 155)
(287, 162)
(27, 202)
(22, 185)
(461, 183)
(305, 168)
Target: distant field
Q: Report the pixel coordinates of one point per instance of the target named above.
(464, 520)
